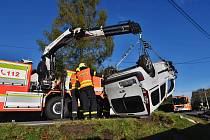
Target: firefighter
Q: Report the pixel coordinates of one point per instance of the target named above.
(86, 91)
(74, 96)
(103, 107)
(42, 71)
(99, 94)
(106, 106)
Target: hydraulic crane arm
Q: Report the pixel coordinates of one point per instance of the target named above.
(78, 33)
(48, 57)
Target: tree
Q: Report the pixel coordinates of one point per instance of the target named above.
(84, 14)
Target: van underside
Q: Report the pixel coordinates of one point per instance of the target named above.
(135, 92)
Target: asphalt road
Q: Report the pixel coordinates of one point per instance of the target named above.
(193, 113)
(20, 117)
(34, 118)
(201, 114)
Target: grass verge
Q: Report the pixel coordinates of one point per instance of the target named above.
(118, 128)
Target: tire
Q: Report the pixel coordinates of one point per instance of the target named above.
(147, 65)
(53, 108)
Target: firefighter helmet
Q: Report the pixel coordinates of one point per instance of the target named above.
(82, 65)
(77, 69)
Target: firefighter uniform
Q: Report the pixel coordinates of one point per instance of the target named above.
(99, 94)
(86, 91)
(74, 95)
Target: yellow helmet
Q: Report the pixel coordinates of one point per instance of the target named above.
(77, 69)
(82, 65)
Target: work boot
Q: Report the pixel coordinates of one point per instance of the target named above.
(86, 115)
(86, 118)
(74, 116)
(94, 116)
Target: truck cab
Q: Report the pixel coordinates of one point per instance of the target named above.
(21, 91)
(15, 94)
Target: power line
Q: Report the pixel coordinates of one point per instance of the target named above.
(189, 18)
(194, 60)
(192, 63)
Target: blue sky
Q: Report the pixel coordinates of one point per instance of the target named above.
(22, 22)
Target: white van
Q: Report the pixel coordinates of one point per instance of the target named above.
(135, 92)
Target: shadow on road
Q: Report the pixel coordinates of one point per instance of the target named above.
(20, 116)
(196, 132)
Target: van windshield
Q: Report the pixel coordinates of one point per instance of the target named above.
(181, 100)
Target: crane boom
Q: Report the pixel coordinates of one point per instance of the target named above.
(78, 33)
(66, 37)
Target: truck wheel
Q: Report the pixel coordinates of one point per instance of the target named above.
(53, 108)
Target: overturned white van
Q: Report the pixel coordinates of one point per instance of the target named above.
(140, 90)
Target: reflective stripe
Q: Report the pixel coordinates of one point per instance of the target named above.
(86, 81)
(86, 113)
(94, 112)
(85, 85)
(73, 87)
(22, 95)
(74, 112)
(98, 89)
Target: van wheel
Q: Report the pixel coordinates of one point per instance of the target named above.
(53, 108)
(146, 63)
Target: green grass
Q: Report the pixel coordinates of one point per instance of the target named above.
(118, 128)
